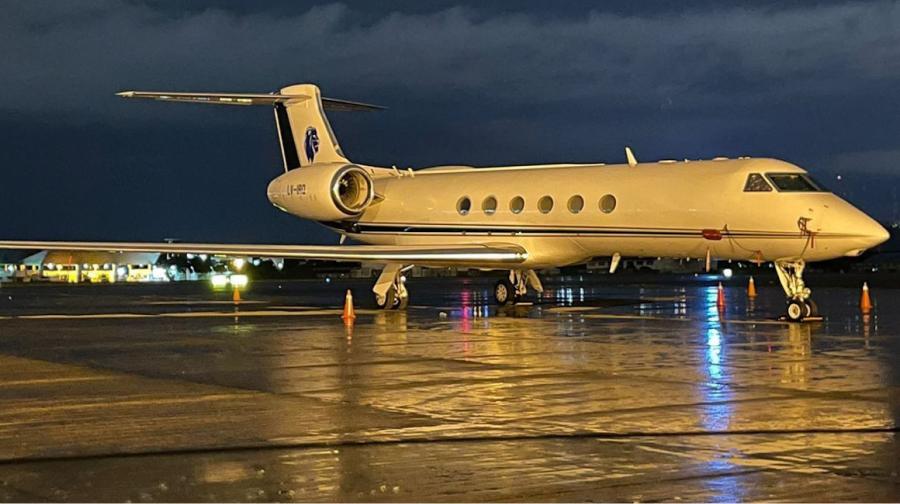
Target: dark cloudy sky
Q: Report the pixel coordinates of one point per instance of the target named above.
(482, 83)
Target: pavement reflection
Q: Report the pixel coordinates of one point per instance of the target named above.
(598, 392)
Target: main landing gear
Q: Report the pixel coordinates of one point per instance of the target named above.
(512, 289)
(390, 288)
(799, 304)
(391, 293)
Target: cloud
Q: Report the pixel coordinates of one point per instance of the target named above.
(813, 84)
(881, 162)
(71, 57)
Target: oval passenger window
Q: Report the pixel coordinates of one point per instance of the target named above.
(576, 204)
(463, 205)
(517, 204)
(489, 205)
(607, 203)
(545, 204)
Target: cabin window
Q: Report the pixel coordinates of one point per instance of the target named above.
(793, 182)
(607, 203)
(464, 205)
(756, 183)
(489, 205)
(517, 204)
(576, 204)
(545, 204)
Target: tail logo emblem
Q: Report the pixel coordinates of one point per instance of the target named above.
(311, 143)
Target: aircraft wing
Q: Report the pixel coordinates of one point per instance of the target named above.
(432, 255)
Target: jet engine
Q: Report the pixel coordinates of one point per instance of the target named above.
(323, 193)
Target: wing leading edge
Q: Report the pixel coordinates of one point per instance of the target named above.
(465, 254)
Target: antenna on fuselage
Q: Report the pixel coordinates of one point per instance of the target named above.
(632, 161)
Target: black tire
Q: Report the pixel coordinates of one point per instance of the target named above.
(796, 310)
(504, 292)
(812, 309)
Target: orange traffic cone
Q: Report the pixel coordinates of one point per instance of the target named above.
(720, 298)
(236, 296)
(751, 289)
(865, 302)
(349, 315)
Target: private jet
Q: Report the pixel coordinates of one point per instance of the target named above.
(522, 219)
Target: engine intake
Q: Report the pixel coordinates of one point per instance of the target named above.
(352, 190)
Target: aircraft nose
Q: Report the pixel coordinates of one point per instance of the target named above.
(862, 231)
(874, 233)
(878, 234)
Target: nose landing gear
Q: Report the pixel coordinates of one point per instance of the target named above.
(799, 304)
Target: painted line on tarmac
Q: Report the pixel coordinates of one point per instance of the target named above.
(297, 307)
(190, 303)
(290, 444)
(685, 319)
(641, 317)
(44, 381)
(166, 401)
(82, 316)
(760, 322)
(298, 311)
(210, 314)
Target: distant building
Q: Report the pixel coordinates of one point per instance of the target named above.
(9, 263)
(78, 266)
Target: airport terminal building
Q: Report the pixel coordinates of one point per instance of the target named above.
(80, 267)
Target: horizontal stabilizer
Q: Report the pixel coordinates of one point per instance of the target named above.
(475, 254)
(246, 99)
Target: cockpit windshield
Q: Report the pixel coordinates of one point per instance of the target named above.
(794, 182)
(756, 183)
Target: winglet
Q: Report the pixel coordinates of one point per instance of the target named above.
(632, 161)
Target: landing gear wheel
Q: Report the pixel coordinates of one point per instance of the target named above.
(811, 309)
(504, 292)
(386, 302)
(391, 301)
(797, 310)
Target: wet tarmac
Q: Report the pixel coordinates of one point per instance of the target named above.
(626, 392)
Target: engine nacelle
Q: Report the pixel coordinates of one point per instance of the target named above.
(323, 193)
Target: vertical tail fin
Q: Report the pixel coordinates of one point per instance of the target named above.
(304, 133)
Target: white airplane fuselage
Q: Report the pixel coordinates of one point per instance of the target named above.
(685, 209)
